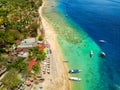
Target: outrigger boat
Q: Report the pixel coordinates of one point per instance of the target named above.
(91, 53)
(102, 41)
(102, 54)
(75, 79)
(74, 71)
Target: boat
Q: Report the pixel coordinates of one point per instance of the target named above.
(75, 79)
(102, 41)
(74, 71)
(66, 61)
(91, 53)
(102, 54)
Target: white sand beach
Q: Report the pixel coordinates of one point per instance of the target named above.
(58, 77)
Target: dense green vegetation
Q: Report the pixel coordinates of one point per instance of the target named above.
(3, 59)
(36, 52)
(20, 64)
(36, 68)
(18, 20)
(40, 38)
(11, 80)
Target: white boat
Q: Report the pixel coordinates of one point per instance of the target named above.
(75, 79)
(91, 53)
(102, 54)
(102, 41)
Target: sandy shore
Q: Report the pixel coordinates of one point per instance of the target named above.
(58, 77)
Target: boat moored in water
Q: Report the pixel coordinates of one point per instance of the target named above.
(102, 54)
(74, 71)
(66, 61)
(91, 53)
(102, 41)
(75, 79)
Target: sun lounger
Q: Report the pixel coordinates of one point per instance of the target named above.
(48, 66)
(41, 86)
(48, 72)
(44, 72)
(48, 62)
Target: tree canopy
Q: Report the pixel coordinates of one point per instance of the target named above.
(11, 79)
(19, 64)
(40, 38)
(39, 54)
(36, 68)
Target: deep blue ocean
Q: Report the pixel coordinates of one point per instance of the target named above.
(100, 19)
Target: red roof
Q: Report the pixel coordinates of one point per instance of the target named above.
(19, 49)
(22, 49)
(31, 63)
(25, 50)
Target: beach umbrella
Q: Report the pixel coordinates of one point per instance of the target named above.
(41, 46)
(50, 51)
(48, 45)
(45, 50)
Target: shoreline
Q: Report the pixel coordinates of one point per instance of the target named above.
(72, 37)
(61, 80)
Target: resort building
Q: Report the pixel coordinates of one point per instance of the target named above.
(26, 43)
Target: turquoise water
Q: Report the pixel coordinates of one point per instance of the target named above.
(100, 19)
(76, 46)
(78, 56)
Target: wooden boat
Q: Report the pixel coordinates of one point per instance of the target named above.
(66, 61)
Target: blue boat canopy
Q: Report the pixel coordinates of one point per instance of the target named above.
(74, 71)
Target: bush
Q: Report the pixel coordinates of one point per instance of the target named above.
(36, 68)
(40, 38)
